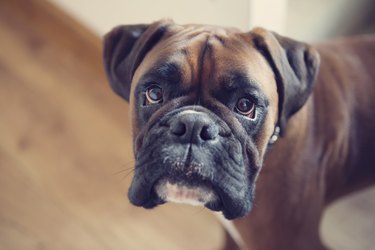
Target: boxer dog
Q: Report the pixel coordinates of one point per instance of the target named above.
(208, 104)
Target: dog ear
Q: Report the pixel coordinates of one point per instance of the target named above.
(124, 49)
(295, 65)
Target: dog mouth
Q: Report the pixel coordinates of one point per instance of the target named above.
(221, 195)
(180, 191)
(218, 186)
(193, 165)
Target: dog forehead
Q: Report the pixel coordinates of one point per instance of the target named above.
(205, 55)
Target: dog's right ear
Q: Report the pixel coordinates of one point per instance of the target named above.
(124, 49)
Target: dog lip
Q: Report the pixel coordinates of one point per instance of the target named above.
(219, 200)
(143, 197)
(181, 191)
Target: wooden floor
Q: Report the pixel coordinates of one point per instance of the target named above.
(65, 152)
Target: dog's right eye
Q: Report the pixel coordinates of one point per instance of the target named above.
(154, 94)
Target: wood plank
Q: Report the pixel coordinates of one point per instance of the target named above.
(65, 139)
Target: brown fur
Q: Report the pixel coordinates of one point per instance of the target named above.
(329, 144)
(327, 152)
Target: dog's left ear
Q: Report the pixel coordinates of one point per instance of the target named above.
(124, 49)
(295, 65)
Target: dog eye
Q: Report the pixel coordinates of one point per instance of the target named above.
(154, 94)
(246, 107)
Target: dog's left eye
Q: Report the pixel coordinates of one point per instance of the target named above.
(246, 107)
(154, 94)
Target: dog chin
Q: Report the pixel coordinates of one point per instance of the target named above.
(179, 192)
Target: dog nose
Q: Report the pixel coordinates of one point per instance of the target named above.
(193, 127)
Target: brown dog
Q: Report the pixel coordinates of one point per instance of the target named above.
(207, 103)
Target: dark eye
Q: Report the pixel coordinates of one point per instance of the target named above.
(246, 107)
(154, 94)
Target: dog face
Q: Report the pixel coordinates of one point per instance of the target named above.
(205, 102)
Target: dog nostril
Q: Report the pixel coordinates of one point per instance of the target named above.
(178, 129)
(208, 133)
(193, 127)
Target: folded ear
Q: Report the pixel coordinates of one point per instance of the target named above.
(124, 49)
(295, 65)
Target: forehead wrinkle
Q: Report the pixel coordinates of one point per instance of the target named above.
(192, 51)
(189, 67)
(195, 44)
(210, 59)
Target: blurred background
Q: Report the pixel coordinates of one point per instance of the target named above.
(65, 152)
(308, 20)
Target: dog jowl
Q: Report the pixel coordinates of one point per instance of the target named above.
(205, 102)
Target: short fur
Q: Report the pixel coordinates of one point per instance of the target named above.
(325, 114)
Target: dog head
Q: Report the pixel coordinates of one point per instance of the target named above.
(205, 102)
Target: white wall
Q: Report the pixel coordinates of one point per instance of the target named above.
(307, 20)
(319, 19)
(101, 16)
